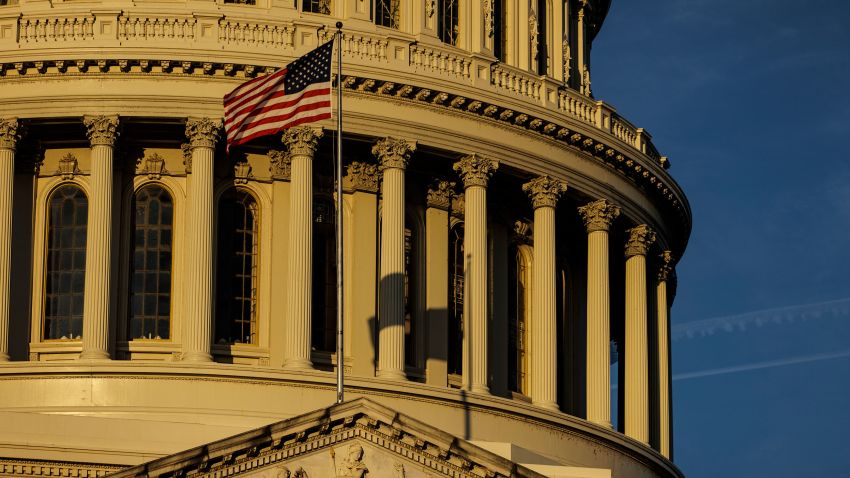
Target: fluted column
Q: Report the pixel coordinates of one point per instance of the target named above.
(475, 171)
(197, 340)
(662, 307)
(544, 192)
(636, 360)
(597, 217)
(393, 154)
(9, 136)
(102, 132)
(302, 142)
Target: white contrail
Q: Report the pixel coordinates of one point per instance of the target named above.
(822, 310)
(761, 365)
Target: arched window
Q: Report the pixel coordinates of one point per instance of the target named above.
(324, 276)
(518, 284)
(236, 281)
(66, 263)
(150, 266)
(387, 13)
(447, 21)
(455, 326)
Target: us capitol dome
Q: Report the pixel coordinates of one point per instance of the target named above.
(167, 308)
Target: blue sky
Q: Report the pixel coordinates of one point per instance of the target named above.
(751, 102)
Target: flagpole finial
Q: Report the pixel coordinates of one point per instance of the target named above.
(339, 25)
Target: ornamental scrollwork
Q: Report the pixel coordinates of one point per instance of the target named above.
(280, 165)
(68, 167)
(186, 150)
(154, 166)
(302, 140)
(202, 132)
(665, 267)
(489, 20)
(545, 191)
(393, 152)
(440, 195)
(598, 215)
(362, 177)
(242, 172)
(640, 238)
(10, 133)
(475, 170)
(101, 130)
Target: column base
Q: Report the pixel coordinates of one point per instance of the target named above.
(604, 423)
(94, 355)
(197, 357)
(392, 374)
(548, 405)
(482, 389)
(297, 364)
(4, 357)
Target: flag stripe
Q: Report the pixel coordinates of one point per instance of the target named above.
(253, 96)
(306, 117)
(277, 116)
(272, 101)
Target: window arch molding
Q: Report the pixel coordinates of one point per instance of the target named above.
(262, 195)
(46, 188)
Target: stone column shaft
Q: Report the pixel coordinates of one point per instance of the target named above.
(437, 286)
(98, 286)
(636, 359)
(597, 218)
(394, 155)
(9, 136)
(197, 339)
(663, 355)
(302, 142)
(544, 192)
(475, 172)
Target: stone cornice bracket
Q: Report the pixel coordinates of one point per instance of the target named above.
(598, 215)
(302, 140)
(202, 132)
(440, 195)
(101, 130)
(393, 152)
(280, 165)
(475, 170)
(666, 264)
(361, 177)
(10, 133)
(545, 191)
(640, 238)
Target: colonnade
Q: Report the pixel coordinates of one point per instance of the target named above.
(393, 156)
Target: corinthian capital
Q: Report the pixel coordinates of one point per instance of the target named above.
(393, 152)
(544, 191)
(202, 132)
(640, 238)
(361, 177)
(101, 130)
(598, 215)
(302, 140)
(475, 170)
(440, 194)
(9, 133)
(665, 267)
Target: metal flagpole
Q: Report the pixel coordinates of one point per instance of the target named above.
(340, 356)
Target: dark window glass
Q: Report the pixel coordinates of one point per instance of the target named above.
(447, 24)
(317, 6)
(499, 29)
(409, 289)
(456, 266)
(517, 325)
(236, 288)
(149, 308)
(387, 13)
(542, 47)
(66, 264)
(324, 276)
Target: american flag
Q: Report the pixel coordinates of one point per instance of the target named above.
(297, 94)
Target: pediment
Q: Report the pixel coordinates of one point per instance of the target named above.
(357, 439)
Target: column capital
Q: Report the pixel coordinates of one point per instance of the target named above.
(393, 152)
(101, 130)
(361, 176)
(665, 267)
(302, 140)
(640, 238)
(280, 164)
(598, 215)
(202, 132)
(545, 191)
(475, 170)
(440, 194)
(10, 133)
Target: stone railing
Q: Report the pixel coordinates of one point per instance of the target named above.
(517, 81)
(132, 27)
(578, 106)
(623, 130)
(266, 35)
(440, 61)
(359, 46)
(61, 29)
